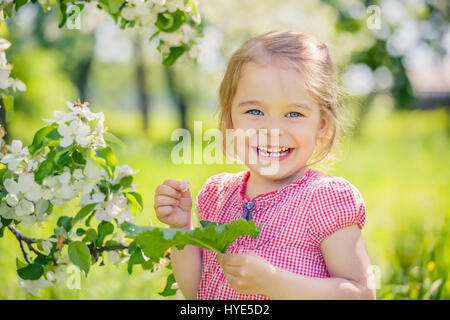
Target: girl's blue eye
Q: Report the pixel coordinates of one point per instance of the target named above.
(298, 114)
(249, 111)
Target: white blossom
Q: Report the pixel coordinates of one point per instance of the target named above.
(47, 246)
(61, 117)
(5, 68)
(32, 286)
(115, 208)
(113, 257)
(180, 36)
(81, 110)
(74, 131)
(16, 155)
(123, 171)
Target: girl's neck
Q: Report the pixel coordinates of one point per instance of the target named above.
(258, 184)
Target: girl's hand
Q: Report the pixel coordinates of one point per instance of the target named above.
(173, 205)
(246, 273)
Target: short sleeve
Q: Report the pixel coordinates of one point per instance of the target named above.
(335, 204)
(201, 202)
(207, 197)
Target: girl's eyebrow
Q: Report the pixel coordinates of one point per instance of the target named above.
(304, 105)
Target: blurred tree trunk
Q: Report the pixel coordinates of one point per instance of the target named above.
(363, 111)
(3, 120)
(83, 71)
(141, 79)
(177, 96)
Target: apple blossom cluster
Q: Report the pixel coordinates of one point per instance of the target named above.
(145, 13)
(6, 81)
(68, 159)
(80, 125)
(30, 202)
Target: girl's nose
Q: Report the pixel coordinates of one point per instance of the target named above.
(271, 128)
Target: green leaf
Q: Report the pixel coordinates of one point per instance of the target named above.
(138, 198)
(91, 235)
(107, 155)
(79, 255)
(114, 5)
(132, 246)
(63, 160)
(7, 11)
(65, 222)
(112, 139)
(104, 228)
(20, 264)
(135, 258)
(170, 22)
(134, 199)
(83, 212)
(174, 54)
(78, 158)
(20, 3)
(59, 152)
(31, 272)
(126, 182)
(39, 137)
(88, 220)
(45, 169)
(154, 241)
(62, 15)
(168, 291)
(194, 12)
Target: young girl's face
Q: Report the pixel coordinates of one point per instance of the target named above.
(269, 97)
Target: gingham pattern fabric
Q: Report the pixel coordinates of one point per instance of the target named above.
(294, 219)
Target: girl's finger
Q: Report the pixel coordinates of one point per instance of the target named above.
(233, 270)
(177, 185)
(229, 259)
(233, 281)
(165, 211)
(165, 201)
(167, 190)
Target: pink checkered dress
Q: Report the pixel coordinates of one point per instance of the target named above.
(294, 219)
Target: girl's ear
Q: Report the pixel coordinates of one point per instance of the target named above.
(323, 124)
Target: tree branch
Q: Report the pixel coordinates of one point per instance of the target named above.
(21, 237)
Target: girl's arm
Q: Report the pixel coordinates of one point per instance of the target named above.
(348, 263)
(186, 266)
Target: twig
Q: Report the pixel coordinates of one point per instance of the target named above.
(95, 251)
(21, 237)
(23, 251)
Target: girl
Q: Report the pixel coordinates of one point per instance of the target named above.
(310, 245)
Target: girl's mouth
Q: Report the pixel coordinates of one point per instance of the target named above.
(277, 154)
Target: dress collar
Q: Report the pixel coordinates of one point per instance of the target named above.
(246, 175)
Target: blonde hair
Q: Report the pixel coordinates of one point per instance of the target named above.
(306, 55)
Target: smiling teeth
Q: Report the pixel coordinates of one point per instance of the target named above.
(273, 150)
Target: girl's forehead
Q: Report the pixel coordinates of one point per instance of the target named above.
(270, 83)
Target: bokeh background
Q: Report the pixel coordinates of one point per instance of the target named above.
(397, 74)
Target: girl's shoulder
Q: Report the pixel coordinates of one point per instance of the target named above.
(215, 189)
(331, 185)
(336, 203)
(223, 180)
